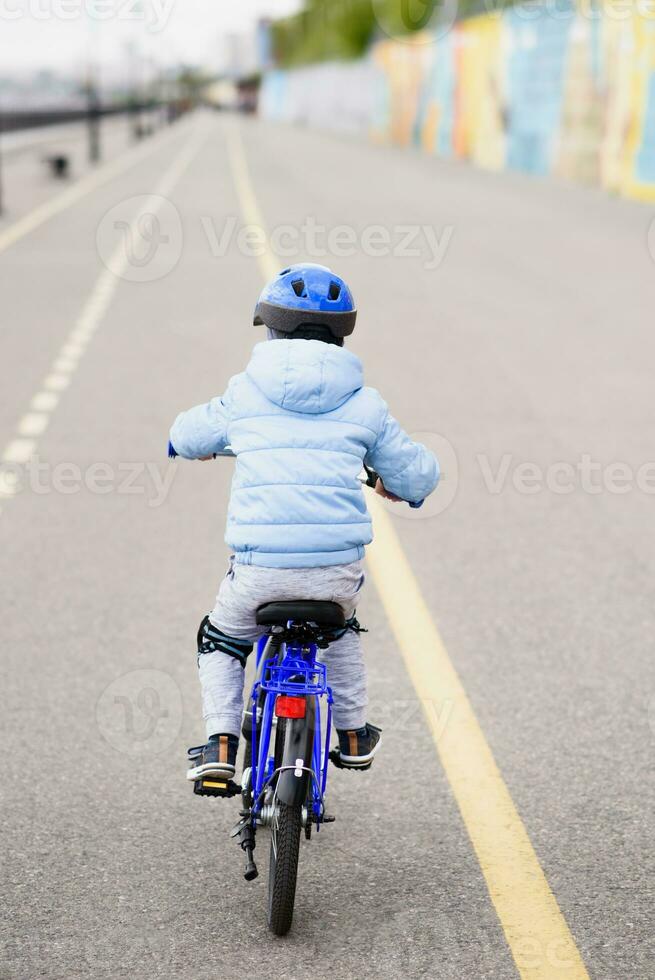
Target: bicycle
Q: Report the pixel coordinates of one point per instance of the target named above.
(284, 777)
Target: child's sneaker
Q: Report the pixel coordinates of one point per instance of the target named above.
(356, 747)
(215, 759)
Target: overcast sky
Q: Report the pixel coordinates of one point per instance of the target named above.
(59, 33)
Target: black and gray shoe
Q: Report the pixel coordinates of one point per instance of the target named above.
(356, 747)
(212, 766)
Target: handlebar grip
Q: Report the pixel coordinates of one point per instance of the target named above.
(371, 481)
(371, 477)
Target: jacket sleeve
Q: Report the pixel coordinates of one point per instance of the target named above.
(202, 430)
(407, 468)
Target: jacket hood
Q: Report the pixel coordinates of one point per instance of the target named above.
(305, 375)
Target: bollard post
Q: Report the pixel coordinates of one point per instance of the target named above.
(93, 124)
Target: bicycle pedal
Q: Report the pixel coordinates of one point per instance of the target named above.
(213, 786)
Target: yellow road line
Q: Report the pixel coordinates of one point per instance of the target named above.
(21, 449)
(61, 202)
(247, 197)
(537, 934)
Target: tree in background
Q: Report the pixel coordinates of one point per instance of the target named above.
(341, 29)
(324, 29)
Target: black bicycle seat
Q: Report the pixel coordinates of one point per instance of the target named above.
(328, 614)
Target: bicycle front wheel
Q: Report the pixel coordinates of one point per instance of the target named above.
(283, 868)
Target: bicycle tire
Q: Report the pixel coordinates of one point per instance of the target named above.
(283, 868)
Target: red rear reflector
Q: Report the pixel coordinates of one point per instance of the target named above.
(287, 706)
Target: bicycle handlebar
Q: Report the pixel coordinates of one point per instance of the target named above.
(371, 476)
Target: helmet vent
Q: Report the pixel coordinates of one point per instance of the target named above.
(334, 291)
(298, 286)
(285, 272)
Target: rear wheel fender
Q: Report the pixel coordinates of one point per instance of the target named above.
(297, 738)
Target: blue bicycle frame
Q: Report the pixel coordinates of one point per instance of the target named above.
(295, 671)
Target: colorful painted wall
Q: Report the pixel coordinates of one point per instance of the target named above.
(557, 88)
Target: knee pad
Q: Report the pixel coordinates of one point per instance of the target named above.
(211, 639)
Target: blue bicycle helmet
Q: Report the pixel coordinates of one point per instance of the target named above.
(307, 295)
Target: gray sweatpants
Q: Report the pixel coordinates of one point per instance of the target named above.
(244, 588)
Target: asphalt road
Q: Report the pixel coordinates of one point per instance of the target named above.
(521, 333)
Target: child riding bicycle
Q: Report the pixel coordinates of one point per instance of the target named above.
(301, 425)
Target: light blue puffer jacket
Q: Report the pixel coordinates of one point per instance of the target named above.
(301, 423)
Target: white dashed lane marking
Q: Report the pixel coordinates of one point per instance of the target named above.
(20, 450)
